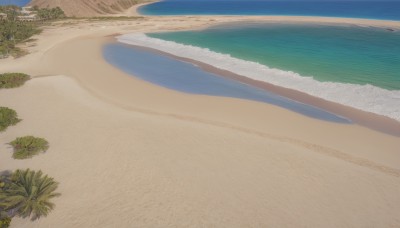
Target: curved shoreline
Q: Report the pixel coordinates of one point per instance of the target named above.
(134, 11)
(185, 160)
(137, 11)
(370, 120)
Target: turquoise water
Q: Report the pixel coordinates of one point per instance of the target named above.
(345, 54)
(387, 10)
(354, 66)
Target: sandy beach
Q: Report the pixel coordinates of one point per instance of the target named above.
(131, 154)
(370, 120)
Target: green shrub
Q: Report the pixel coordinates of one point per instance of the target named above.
(28, 146)
(5, 222)
(8, 117)
(5, 219)
(50, 13)
(29, 194)
(12, 80)
(13, 32)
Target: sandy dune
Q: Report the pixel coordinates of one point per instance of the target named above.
(131, 154)
(87, 8)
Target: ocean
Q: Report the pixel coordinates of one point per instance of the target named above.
(14, 2)
(345, 54)
(351, 65)
(387, 10)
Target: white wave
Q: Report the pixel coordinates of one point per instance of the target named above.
(364, 97)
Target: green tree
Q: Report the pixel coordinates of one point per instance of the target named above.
(9, 29)
(28, 194)
(50, 13)
(12, 14)
(14, 32)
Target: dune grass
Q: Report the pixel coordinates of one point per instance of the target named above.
(28, 146)
(8, 117)
(13, 80)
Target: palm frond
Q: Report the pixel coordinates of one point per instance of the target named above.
(29, 193)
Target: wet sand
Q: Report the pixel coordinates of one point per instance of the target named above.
(366, 119)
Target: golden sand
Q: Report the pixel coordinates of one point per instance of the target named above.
(131, 154)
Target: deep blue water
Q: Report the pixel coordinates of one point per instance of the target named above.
(14, 2)
(186, 77)
(387, 10)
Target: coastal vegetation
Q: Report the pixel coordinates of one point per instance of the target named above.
(14, 32)
(27, 194)
(13, 13)
(8, 117)
(13, 80)
(4, 222)
(18, 26)
(28, 146)
(49, 13)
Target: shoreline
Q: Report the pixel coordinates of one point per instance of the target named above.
(134, 11)
(155, 156)
(316, 20)
(370, 120)
(137, 95)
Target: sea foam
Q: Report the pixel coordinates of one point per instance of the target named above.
(364, 97)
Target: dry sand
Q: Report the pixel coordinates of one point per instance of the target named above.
(130, 154)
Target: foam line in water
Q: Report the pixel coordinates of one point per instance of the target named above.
(364, 97)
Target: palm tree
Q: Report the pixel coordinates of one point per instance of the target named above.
(28, 194)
